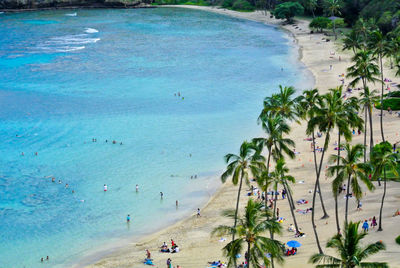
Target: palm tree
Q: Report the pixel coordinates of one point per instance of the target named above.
(349, 109)
(249, 231)
(238, 167)
(351, 253)
(352, 41)
(333, 7)
(365, 70)
(383, 159)
(380, 48)
(367, 99)
(281, 173)
(310, 5)
(306, 105)
(326, 117)
(352, 170)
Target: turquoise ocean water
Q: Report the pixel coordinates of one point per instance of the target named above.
(115, 75)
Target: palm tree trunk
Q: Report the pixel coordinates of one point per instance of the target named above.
(266, 190)
(383, 136)
(383, 199)
(274, 217)
(319, 187)
(315, 192)
(248, 255)
(371, 134)
(365, 133)
(291, 211)
(289, 196)
(335, 194)
(237, 204)
(347, 200)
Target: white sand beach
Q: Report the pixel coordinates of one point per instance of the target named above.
(193, 234)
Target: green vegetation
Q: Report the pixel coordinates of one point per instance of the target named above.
(288, 10)
(181, 2)
(350, 252)
(320, 23)
(398, 240)
(392, 103)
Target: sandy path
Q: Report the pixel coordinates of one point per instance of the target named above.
(193, 234)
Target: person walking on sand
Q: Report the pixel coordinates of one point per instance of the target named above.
(365, 226)
(148, 254)
(373, 223)
(198, 212)
(169, 263)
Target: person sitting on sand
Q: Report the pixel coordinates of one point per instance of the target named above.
(299, 234)
(175, 249)
(397, 213)
(291, 228)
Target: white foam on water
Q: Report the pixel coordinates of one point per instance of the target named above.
(72, 40)
(1, 12)
(71, 14)
(69, 49)
(91, 30)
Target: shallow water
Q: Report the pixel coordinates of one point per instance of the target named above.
(115, 75)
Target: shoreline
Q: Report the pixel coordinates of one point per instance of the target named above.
(193, 234)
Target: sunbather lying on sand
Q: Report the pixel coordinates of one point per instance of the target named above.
(302, 201)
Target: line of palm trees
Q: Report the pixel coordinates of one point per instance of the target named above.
(323, 114)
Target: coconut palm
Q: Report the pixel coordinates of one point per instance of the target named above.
(365, 70)
(368, 98)
(349, 111)
(383, 159)
(280, 172)
(249, 158)
(380, 48)
(351, 253)
(333, 7)
(352, 41)
(307, 105)
(275, 127)
(250, 230)
(351, 169)
(327, 117)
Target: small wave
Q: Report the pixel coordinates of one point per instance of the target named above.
(91, 30)
(68, 49)
(71, 14)
(71, 40)
(1, 12)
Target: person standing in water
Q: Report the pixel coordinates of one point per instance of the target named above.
(161, 195)
(198, 212)
(105, 187)
(137, 188)
(128, 218)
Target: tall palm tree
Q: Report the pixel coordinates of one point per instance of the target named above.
(368, 98)
(352, 41)
(349, 109)
(249, 231)
(333, 7)
(249, 158)
(326, 117)
(352, 170)
(380, 48)
(383, 159)
(281, 173)
(306, 105)
(282, 103)
(365, 70)
(351, 253)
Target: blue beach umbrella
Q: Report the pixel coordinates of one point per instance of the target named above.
(293, 244)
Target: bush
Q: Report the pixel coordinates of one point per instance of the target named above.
(227, 3)
(339, 23)
(398, 240)
(320, 23)
(242, 5)
(393, 103)
(394, 94)
(288, 10)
